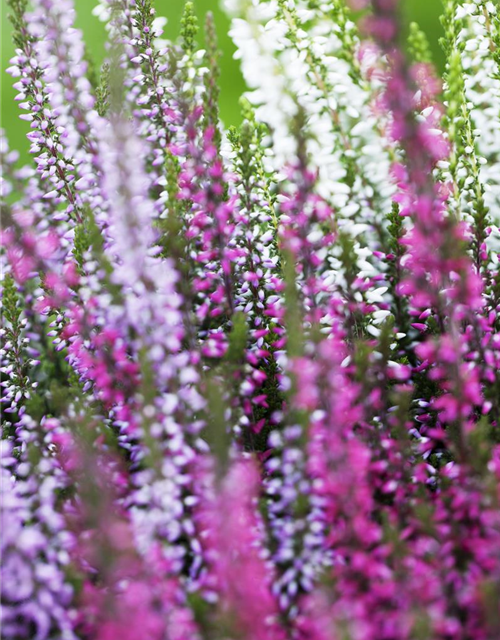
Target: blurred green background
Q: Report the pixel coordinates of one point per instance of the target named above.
(425, 12)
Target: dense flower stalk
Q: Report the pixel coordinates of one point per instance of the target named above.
(37, 597)
(251, 376)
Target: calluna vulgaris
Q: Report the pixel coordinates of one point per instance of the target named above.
(251, 376)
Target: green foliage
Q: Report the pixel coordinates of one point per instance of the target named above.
(247, 144)
(293, 314)
(11, 306)
(418, 45)
(35, 388)
(495, 37)
(450, 25)
(490, 591)
(464, 164)
(81, 246)
(172, 171)
(17, 18)
(13, 327)
(454, 115)
(396, 230)
(189, 28)
(348, 258)
(148, 393)
(103, 91)
(145, 12)
(215, 433)
(211, 95)
(237, 340)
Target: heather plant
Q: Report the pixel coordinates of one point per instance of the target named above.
(251, 375)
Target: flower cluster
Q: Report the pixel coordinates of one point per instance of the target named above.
(251, 376)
